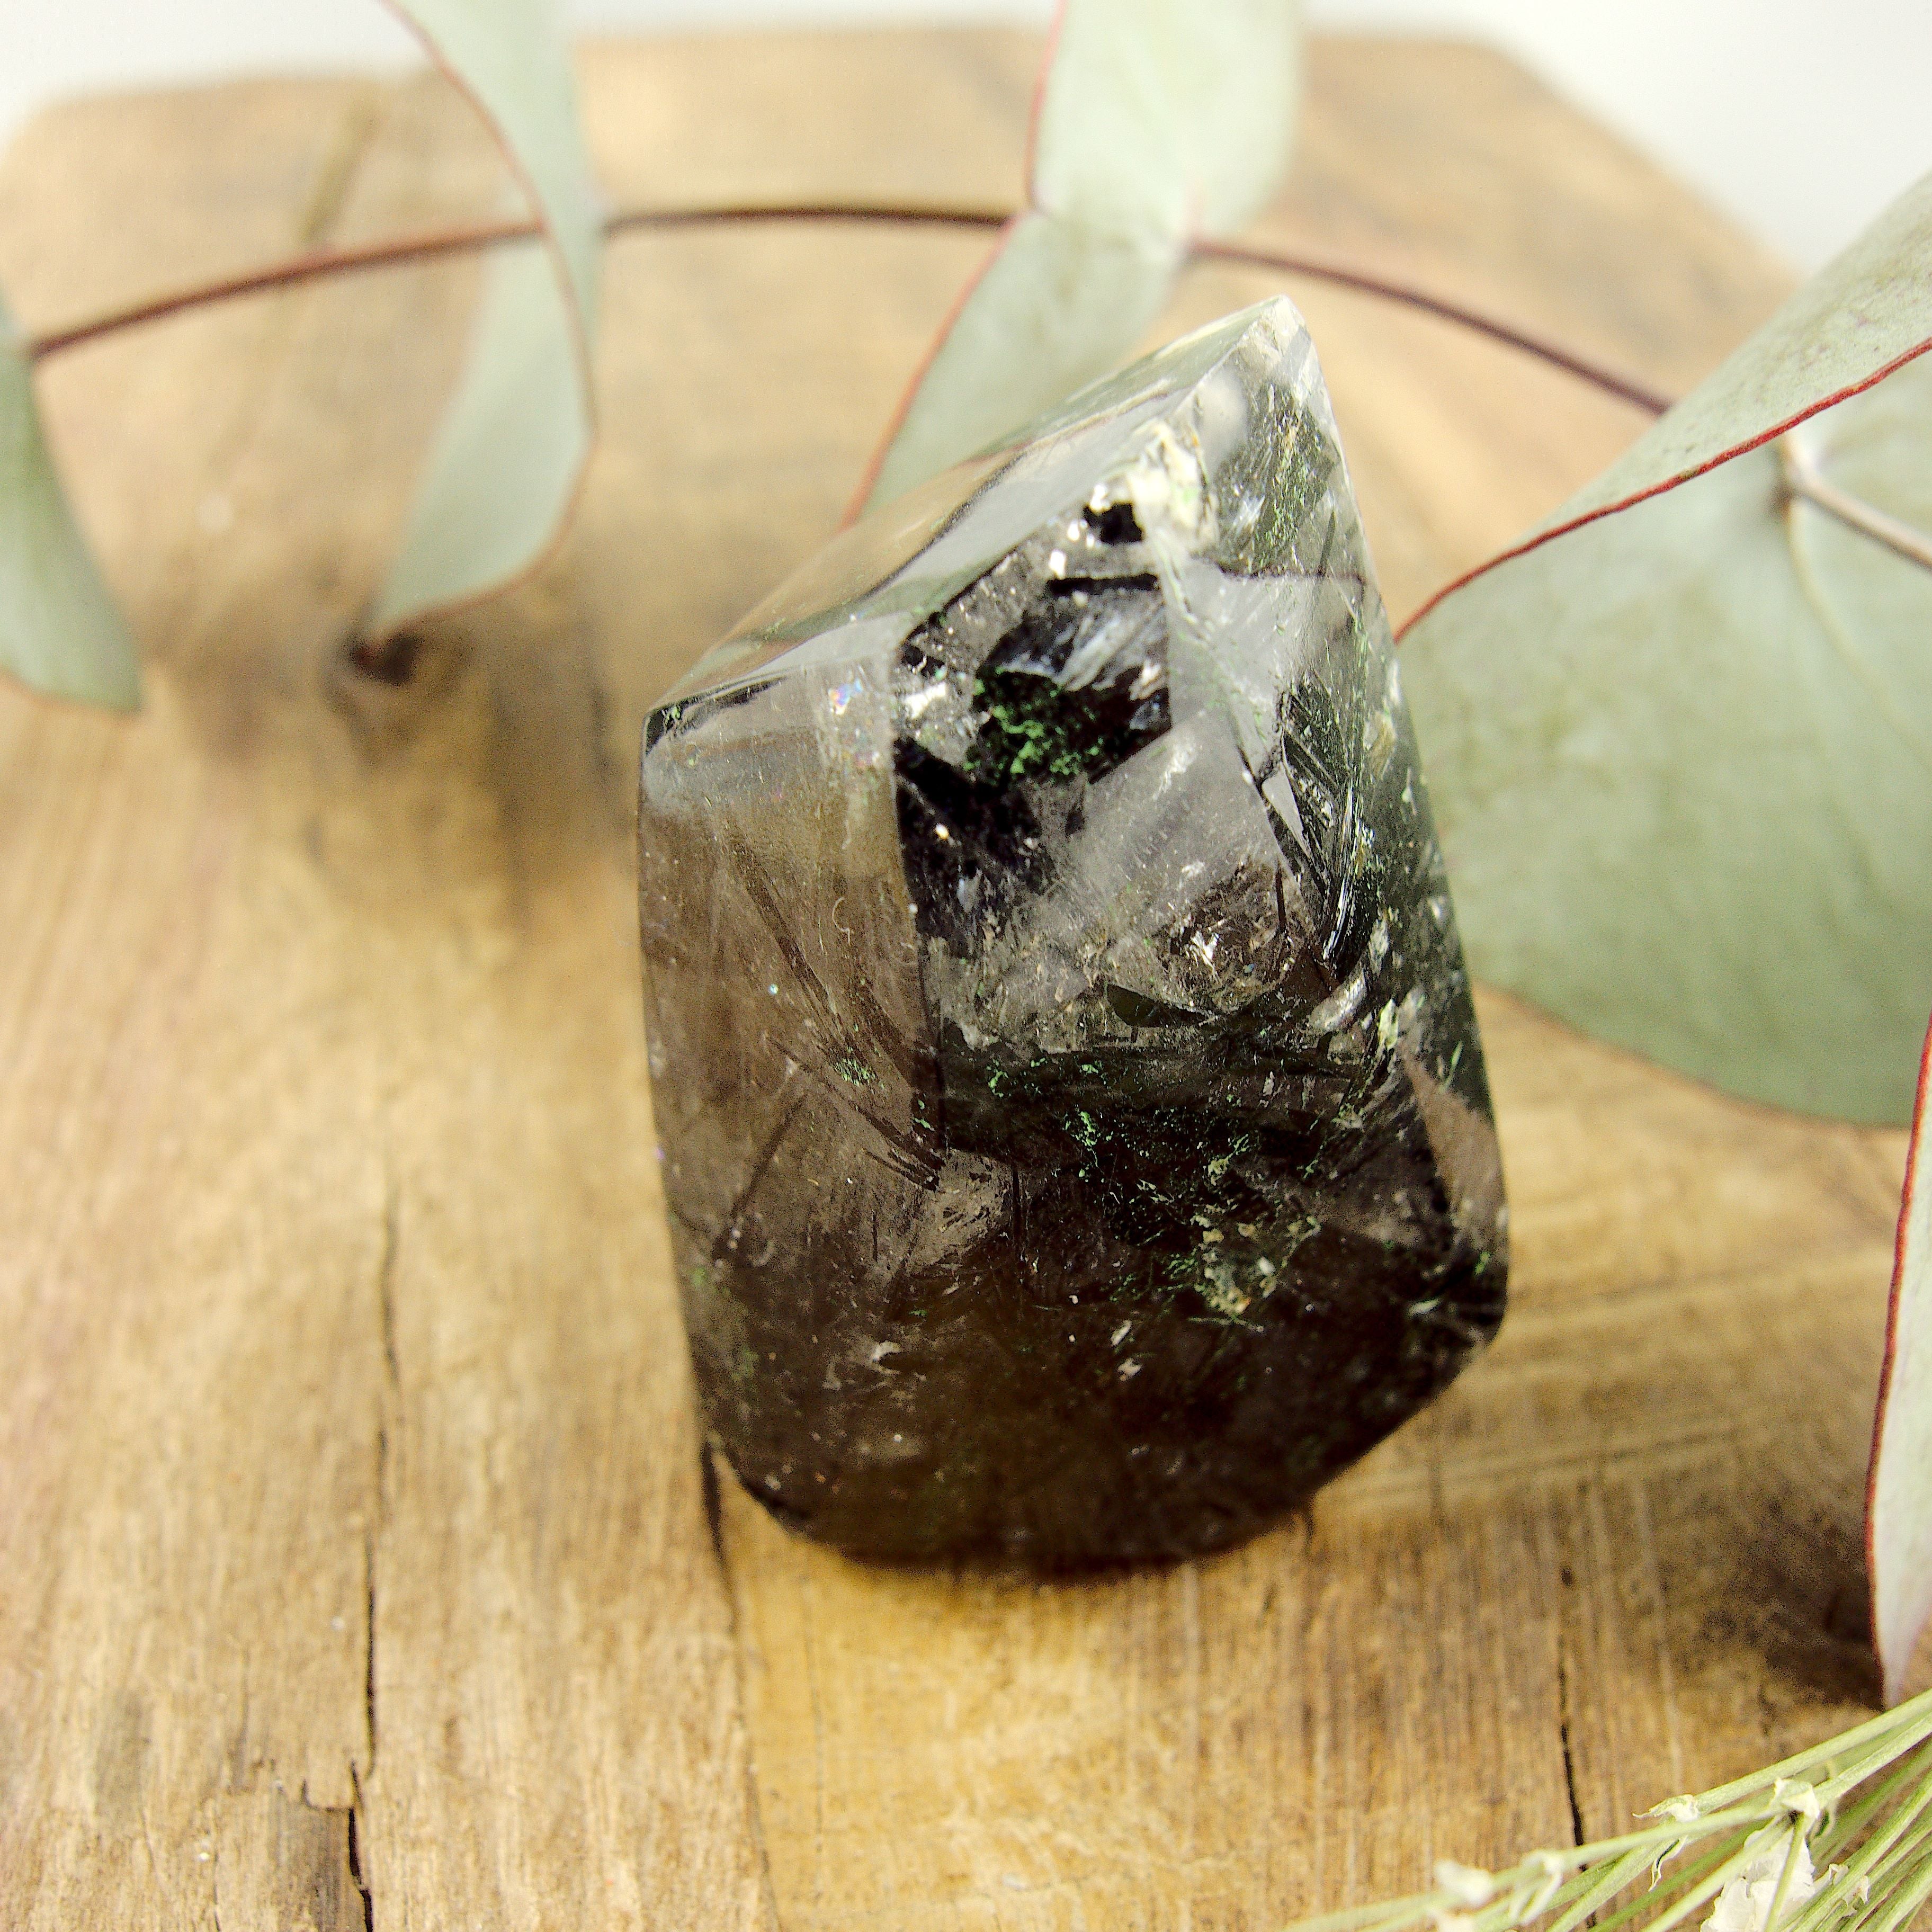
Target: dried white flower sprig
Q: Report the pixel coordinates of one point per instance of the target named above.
(1838, 1839)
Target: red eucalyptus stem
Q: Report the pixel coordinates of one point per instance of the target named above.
(1343, 276)
(308, 266)
(315, 263)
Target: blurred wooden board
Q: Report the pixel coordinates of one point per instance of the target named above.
(354, 1567)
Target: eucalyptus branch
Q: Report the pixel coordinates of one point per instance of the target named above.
(1864, 1796)
(1805, 480)
(311, 265)
(1344, 276)
(396, 251)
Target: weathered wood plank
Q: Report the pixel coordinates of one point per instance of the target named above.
(351, 1529)
(368, 1483)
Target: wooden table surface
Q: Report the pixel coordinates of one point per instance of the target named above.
(355, 1567)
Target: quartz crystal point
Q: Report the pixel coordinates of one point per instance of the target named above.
(1075, 1133)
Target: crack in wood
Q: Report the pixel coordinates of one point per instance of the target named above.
(358, 1877)
(389, 1403)
(369, 1644)
(386, 1285)
(707, 1475)
(1576, 1835)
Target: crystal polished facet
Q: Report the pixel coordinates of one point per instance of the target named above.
(1075, 1133)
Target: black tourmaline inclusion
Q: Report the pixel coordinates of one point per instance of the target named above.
(1076, 1138)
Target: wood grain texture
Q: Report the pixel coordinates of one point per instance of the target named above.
(354, 1560)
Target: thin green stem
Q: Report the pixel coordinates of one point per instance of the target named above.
(1703, 1893)
(1916, 1713)
(1912, 1894)
(1912, 1812)
(1609, 1881)
(1725, 1849)
(1855, 1818)
(1786, 1873)
(1906, 1739)
(1898, 1854)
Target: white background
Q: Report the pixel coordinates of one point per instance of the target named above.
(1801, 118)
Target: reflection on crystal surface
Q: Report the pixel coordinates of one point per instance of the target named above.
(1076, 1138)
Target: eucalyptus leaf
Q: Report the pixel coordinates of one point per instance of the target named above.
(510, 452)
(1681, 756)
(1158, 120)
(59, 631)
(1164, 116)
(1898, 1521)
(1865, 314)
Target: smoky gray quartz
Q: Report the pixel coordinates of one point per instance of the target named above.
(1075, 1133)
